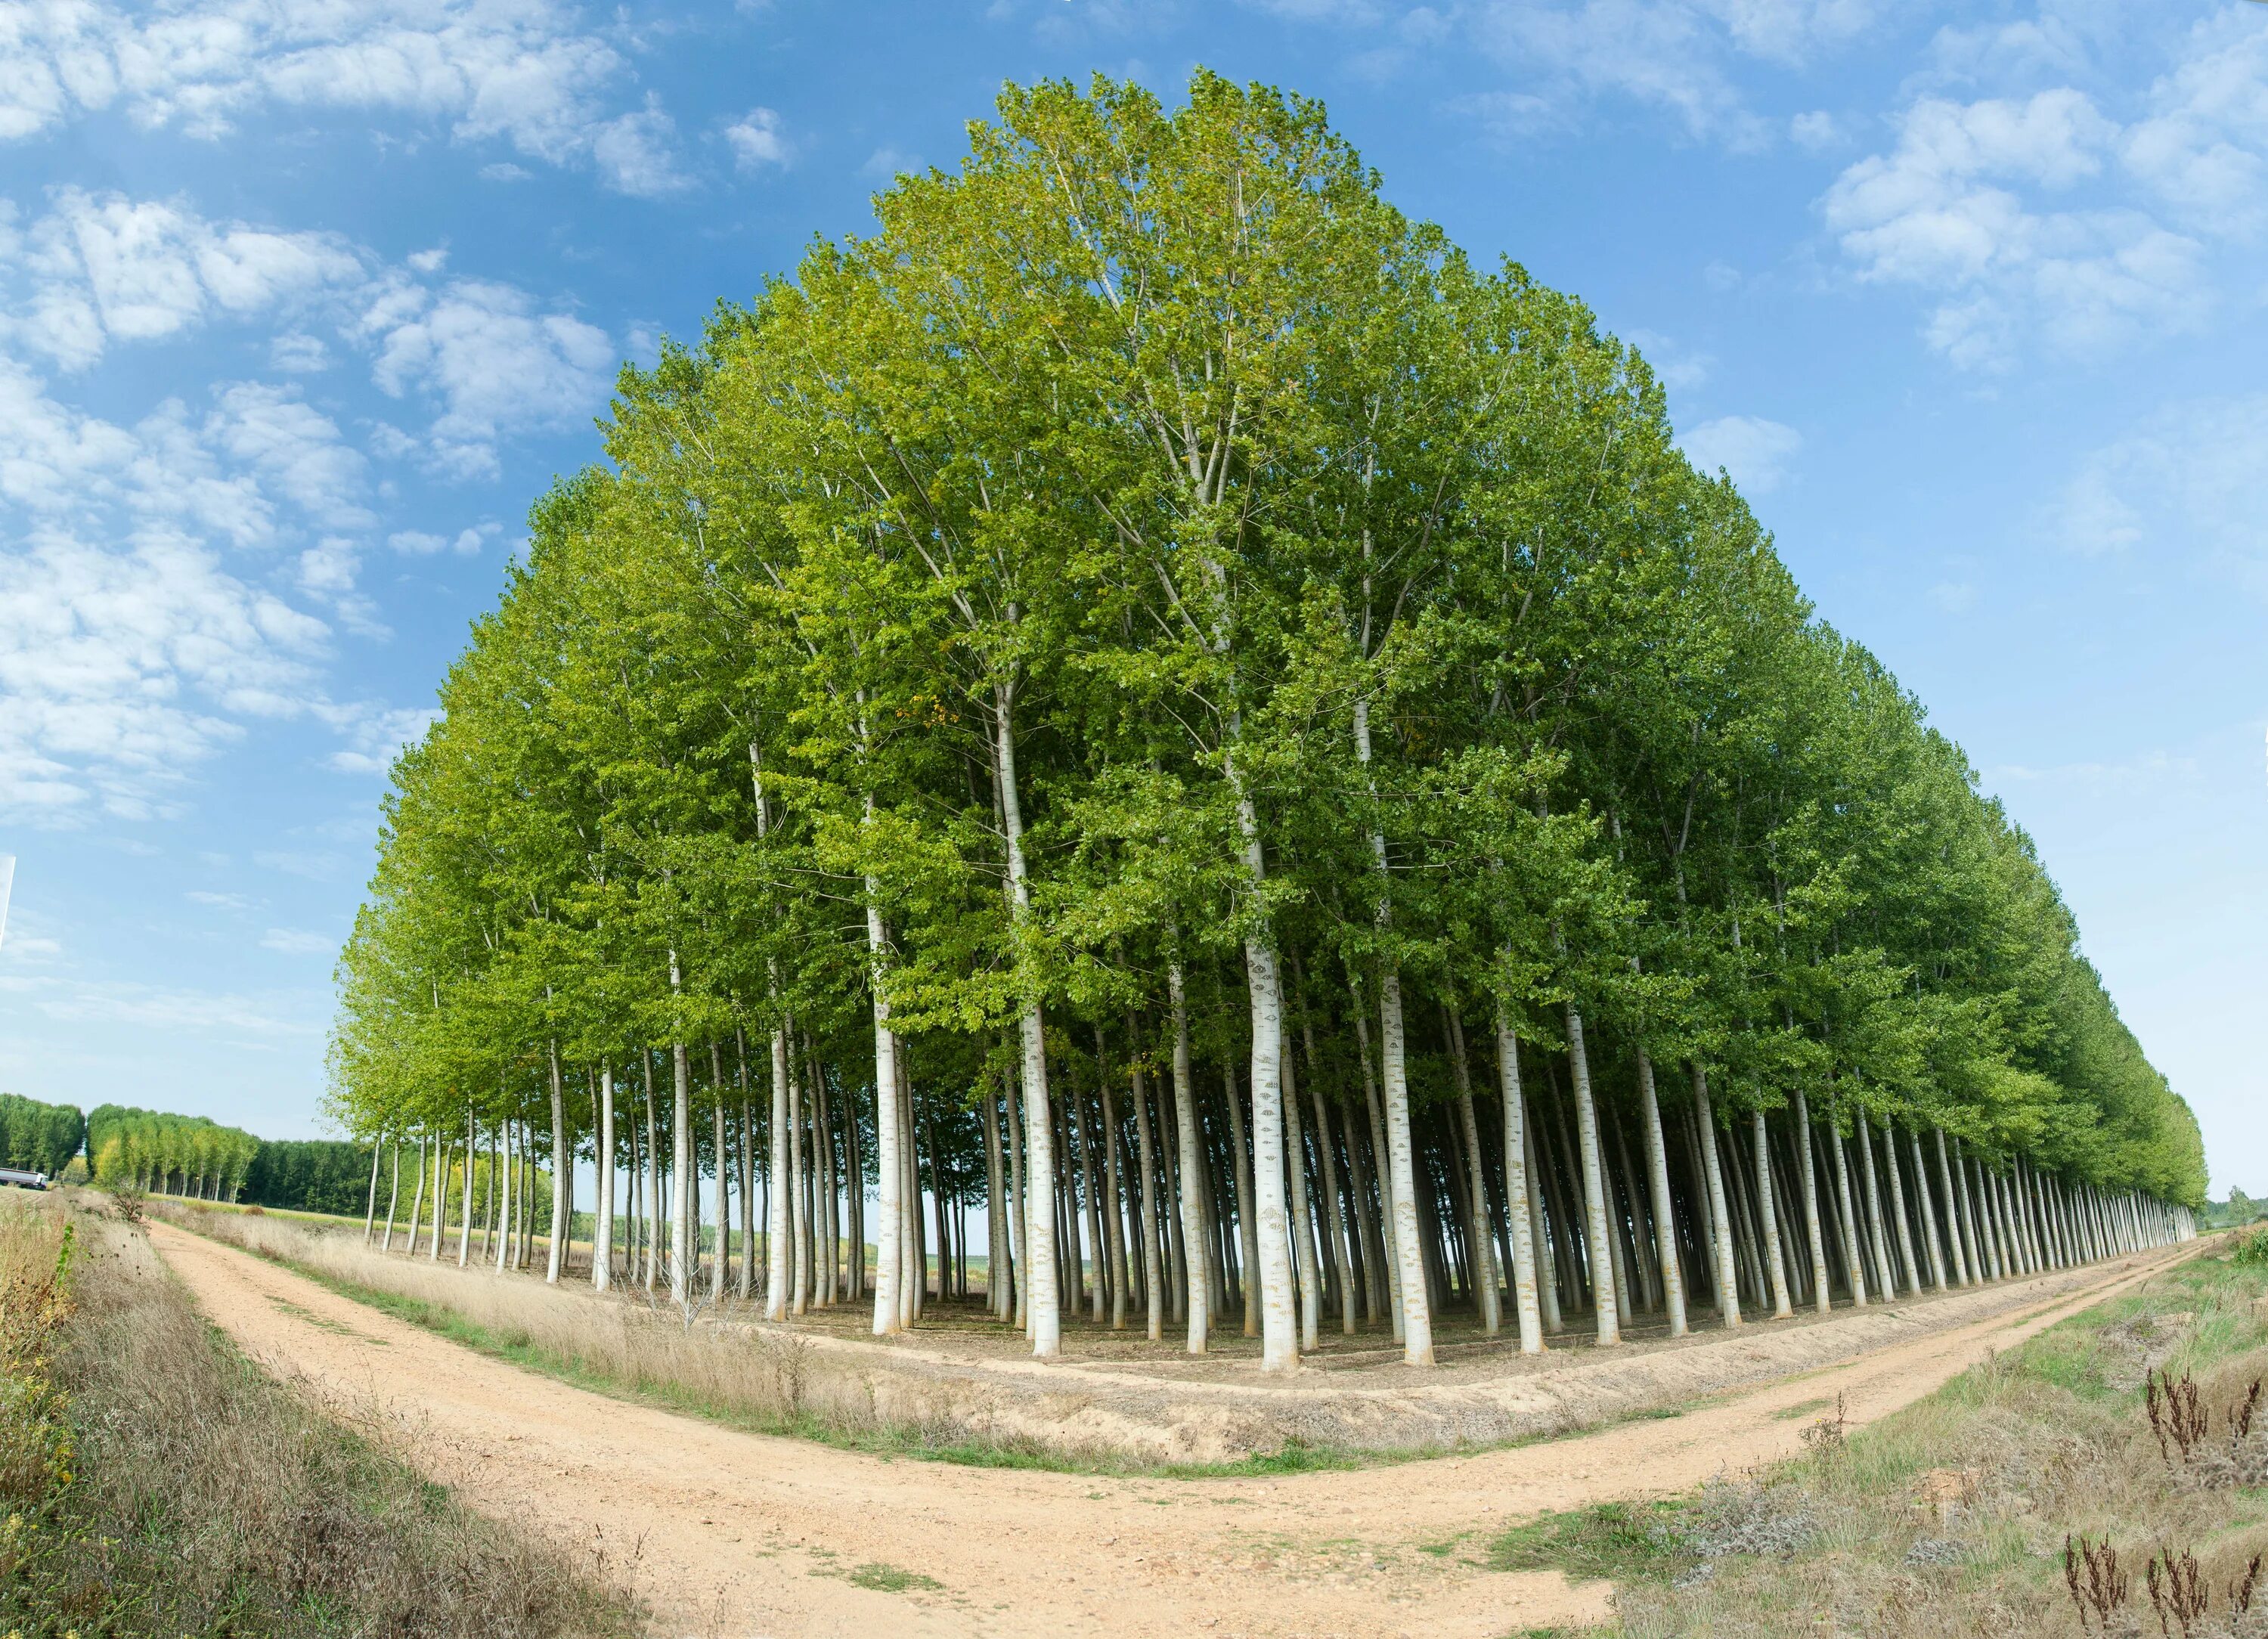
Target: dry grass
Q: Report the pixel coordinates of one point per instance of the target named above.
(202, 1497)
(1951, 1517)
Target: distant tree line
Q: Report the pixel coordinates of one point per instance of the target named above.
(38, 1138)
(309, 1175)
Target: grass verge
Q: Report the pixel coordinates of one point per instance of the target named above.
(760, 1384)
(1952, 1517)
(154, 1483)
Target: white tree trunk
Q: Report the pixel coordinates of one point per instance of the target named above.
(1956, 1232)
(1665, 1220)
(1486, 1276)
(1196, 1233)
(465, 1213)
(1898, 1207)
(1409, 1252)
(1877, 1236)
(370, 1213)
(1295, 1165)
(1775, 1258)
(602, 1229)
(1154, 1273)
(1606, 1310)
(1720, 1221)
(778, 1236)
(1280, 1343)
(684, 1181)
(1854, 1251)
(417, 1199)
(1932, 1235)
(1519, 1204)
(562, 1164)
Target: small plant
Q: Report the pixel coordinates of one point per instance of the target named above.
(2243, 1588)
(2177, 1589)
(2090, 1570)
(2240, 1415)
(2251, 1248)
(1829, 1434)
(128, 1203)
(2177, 1414)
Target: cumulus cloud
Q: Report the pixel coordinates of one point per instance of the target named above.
(99, 268)
(98, 271)
(635, 153)
(2047, 216)
(757, 141)
(126, 665)
(1756, 452)
(131, 650)
(519, 71)
(492, 360)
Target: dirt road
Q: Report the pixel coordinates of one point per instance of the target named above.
(737, 1535)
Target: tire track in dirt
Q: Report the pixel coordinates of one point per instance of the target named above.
(732, 1533)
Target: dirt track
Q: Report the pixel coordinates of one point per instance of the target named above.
(730, 1533)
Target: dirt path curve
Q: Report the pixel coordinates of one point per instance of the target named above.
(739, 1534)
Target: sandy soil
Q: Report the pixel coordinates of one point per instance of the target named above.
(730, 1533)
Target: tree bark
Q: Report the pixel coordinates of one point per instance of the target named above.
(1720, 1221)
(1665, 1221)
(1775, 1261)
(1520, 1204)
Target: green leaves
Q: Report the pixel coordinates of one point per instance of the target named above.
(1149, 479)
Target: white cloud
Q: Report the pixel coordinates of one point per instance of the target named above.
(377, 735)
(428, 260)
(2045, 216)
(634, 153)
(494, 362)
(517, 70)
(1755, 451)
(298, 941)
(130, 651)
(1953, 597)
(219, 901)
(295, 448)
(98, 268)
(1679, 55)
(887, 164)
(298, 354)
(124, 667)
(757, 141)
(2189, 482)
(420, 543)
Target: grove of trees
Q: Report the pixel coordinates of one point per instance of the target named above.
(1151, 699)
(308, 1175)
(38, 1138)
(174, 1155)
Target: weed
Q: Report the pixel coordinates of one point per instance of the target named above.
(885, 1579)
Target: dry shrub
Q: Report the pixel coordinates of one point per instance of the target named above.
(208, 1498)
(1951, 1517)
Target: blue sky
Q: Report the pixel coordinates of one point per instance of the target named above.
(301, 302)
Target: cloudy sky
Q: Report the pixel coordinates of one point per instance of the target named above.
(301, 301)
